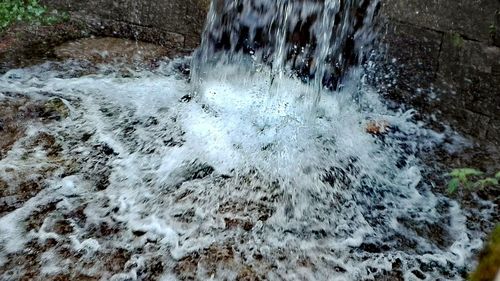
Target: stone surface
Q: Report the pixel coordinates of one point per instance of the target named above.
(107, 50)
(173, 23)
(24, 45)
(470, 18)
(122, 29)
(472, 69)
(446, 58)
(414, 52)
(496, 30)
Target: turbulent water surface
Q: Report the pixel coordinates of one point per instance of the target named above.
(243, 172)
(246, 178)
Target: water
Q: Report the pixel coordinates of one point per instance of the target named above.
(309, 39)
(244, 172)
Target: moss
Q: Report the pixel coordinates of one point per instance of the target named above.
(55, 109)
(457, 40)
(489, 263)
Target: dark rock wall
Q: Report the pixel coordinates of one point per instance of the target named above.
(447, 59)
(173, 23)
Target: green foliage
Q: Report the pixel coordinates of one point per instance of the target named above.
(457, 40)
(453, 185)
(30, 11)
(462, 177)
(489, 259)
(486, 182)
(493, 28)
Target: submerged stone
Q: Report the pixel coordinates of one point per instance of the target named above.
(55, 108)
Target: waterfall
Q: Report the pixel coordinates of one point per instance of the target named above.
(317, 41)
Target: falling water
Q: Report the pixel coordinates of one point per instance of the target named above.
(306, 38)
(241, 172)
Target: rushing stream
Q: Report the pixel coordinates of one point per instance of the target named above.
(242, 171)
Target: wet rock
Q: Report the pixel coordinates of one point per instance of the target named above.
(441, 71)
(260, 210)
(186, 98)
(186, 268)
(185, 70)
(198, 171)
(17, 111)
(395, 274)
(62, 277)
(109, 50)
(37, 218)
(247, 274)
(446, 15)
(3, 187)
(28, 189)
(336, 176)
(25, 265)
(55, 109)
(6, 207)
(116, 261)
(151, 121)
(86, 136)
(401, 242)
(390, 276)
(139, 233)
(247, 226)
(102, 181)
(10, 134)
(176, 24)
(104, 229)
(173, 142)
(48, 143)
(186, 216)
(106, 149)
(377, 127)
(490, 193)
(469, 73)
(154, 269)
(10, 128)
(495, 30)
(25, 45)
(18, 194)
(373, 248)
(412, 62)
(435, 232)
(234, 223)
(211, 260)
(419, 274)
(62, 227)
(77, 215)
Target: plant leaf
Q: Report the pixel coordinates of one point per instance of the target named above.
(487, 182)
(466, 172)
(453, 185)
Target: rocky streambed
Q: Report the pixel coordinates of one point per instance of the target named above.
(112, 169)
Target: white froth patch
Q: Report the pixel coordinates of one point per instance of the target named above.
(251, 123)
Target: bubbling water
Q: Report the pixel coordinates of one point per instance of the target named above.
(243, 171)
(239, 180)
